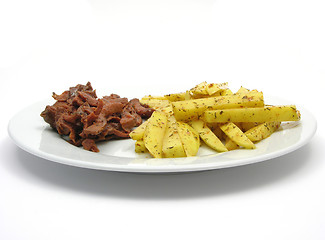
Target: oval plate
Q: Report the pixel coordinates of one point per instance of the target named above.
(29, 131)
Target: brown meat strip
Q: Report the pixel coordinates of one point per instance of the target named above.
(86, 119)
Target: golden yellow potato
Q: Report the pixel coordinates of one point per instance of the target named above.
(172, 144)
(258, 114)
(154, 133)
(208, 136)
(237, 136)
(190, 139)
(262, 131)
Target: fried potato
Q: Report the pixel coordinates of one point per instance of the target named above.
(237, 136)
(208, 136)
(174, 97)
(208, 112)
(245, 126)
(190, 139)
(230, 144)
(164, 106)
(154, 133)
(217, 130)
(137, 134)
(193, 109)
(140, 147)
(199, 90)
(214, 88)
(262, 131)
(154, 102)
(242, 90)
(188, 95)
(259, 114)
(148, 97)
(226, 92)
(204, 89)
(172, 144)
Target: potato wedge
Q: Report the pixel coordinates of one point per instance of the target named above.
(245, 126)
(242, 90)
(264, 114)
(140, 147)
(236, 135)
(154, 97)
(214, 88)
(190, 139)
(137, 134)
(155, 103)
(172, 144)
(154, 133)
(199, 90)
(226, 92)
(174, 97)
(230, 144)
(161, 105)
(208, 136)
(217, 131)
(193, 109)
(262, 131)
(187, 96)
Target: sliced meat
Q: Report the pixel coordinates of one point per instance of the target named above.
(90, 145)
(86, 119)
(62, 97)
(143, 110)
(86, 97)
(129, 118)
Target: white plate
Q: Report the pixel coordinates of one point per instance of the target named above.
(31, 133)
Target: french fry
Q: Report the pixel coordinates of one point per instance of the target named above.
(172, 144)
(262, 131)
(137, 134)
(190, 139)
(140, 147)
(218, 132)
(237, 136)
(258, 114)
(193, 109)
(154, 133)
(174, 97)
(226, 92)
(245, 126)
(208, 136)
(211, 112)
(187, 96)
(199, 90)
(155, 103)
(230, 144)
(214, 88)
(148, 97)
(242, 90)
(164, 106)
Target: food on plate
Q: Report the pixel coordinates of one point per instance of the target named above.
(208, 136)
(154, 133)
(172, 143)
(193, 109)
(223, 120)
(87, 119)
(137, 134)
(236, 135)
(140, 147)
(190, 138)
(258, 114)
(262, 131)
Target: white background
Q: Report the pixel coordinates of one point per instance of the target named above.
(157, 47)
